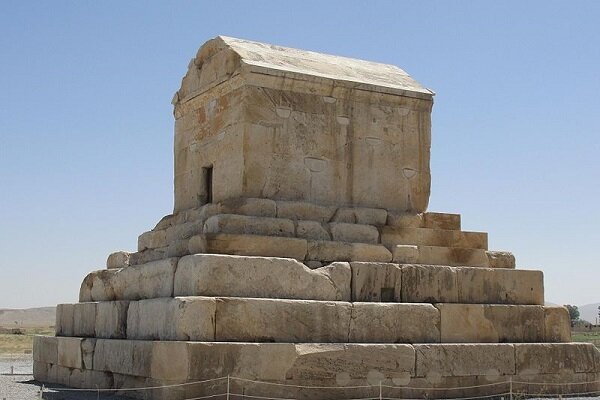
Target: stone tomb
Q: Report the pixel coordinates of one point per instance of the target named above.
(300, 251)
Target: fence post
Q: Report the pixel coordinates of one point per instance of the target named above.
(380, 397)
(42, 392)
(227, 387)
(511, 389)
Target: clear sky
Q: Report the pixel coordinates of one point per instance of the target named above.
(86, 125)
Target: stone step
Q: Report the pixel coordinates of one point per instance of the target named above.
(236, 319)
(392, 236)
(270, 277)
(111, 364)
(437, 255)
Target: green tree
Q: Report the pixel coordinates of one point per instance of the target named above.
(573, 312)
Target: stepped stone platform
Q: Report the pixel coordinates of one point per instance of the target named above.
(300, 251)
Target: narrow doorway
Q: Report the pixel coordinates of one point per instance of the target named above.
(208, 183)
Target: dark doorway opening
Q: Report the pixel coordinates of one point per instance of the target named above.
(208, 183)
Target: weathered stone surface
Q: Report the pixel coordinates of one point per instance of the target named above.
(244, 276)
(441, 221)
(183, 231)
(487, 323)
(249, 206)
(361, 215)
(341, 251)
(64, 320)
(242, 224)
(501, 259)
(451, 256)
(439, 360)
(147, 281)
(69, 352)
(404, 220)
(405, 254)
(269, 320)
(554, 358)
(111, 319)
(248, 245)
(297, 210)
(500, 286)
(391, 236)
(357, 233)
(311, 230)
(394, 323)
(179, 318)
(84, 319)
(152, 240)
(119, 259)
(557, 324)
(45, 349)
(88, 345)
(377, 282)
(428, 283)
(128, 357)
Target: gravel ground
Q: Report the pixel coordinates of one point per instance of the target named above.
(23, 387)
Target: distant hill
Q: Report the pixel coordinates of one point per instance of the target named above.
(589, 312)
(28, 318)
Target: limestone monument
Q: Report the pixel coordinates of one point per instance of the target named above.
(300, 251)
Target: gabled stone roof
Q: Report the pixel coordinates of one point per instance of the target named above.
(268, 57)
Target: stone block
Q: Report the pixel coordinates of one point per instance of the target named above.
(152, 240)
(166, 222)
(84, 319)
(394, 323)
(404, 220)
(119, 259)
(555, 358)
(88, 345)
(40, 371)
(341, 251)
(429, 284)
(127, 357)
(501, 259)
(111, 319)
(405, 254)
(487, 323)
(245, 276)
(391, 236)
(500, 286)
(64, 320)
(179, 318)
(200, 214)
(248, 245)
(311, 230)
(440, 360)
(249, 206)
(69, 352)
(170, 361)
(270, 320)
(441, 221)
(361, 215)
(354, 233)
(297, 210)
(248, 225)
(146, 281)
(376, 282)
(45, 349)
(557, 324)
(184, 231)
(86, 379)
(450, 256)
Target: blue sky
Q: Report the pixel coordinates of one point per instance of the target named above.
(86, 123)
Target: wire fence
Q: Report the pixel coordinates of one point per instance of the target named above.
(231, 387)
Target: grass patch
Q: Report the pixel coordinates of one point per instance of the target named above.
(21, 343)
(590, 337)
